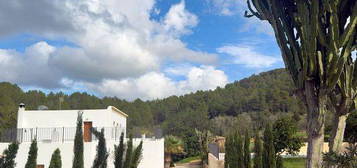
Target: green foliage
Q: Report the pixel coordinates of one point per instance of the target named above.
(191, 144)
(128, 154)
(268, 92)
(316, 39)
(78, 144)
(247, 163)
(234, 151)
(279, 162)
(347, 159)
(100, 160)
(32, 156)
(119, 152)
(173, 145)
(204, 138)
(229, 152)
(137, 154)
(294, 162)
(285, 136)
(8, 161)
(56, 161)
(351, 128)
(132, 155)
(189, 159)
(238, 145)
(269, 159)
(258, 153)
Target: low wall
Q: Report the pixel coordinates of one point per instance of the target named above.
(303, 150)
(153, 153)
(213, 162)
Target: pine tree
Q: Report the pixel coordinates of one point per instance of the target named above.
(258, 152)
(247, 163)
(78, 144)
(269, 149)
(10, 154)
(100, 160)
(119, 153)
(32, 156)
(137, 156)
(56, 161)
(128, 155)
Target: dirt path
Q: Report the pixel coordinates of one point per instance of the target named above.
(194, 164)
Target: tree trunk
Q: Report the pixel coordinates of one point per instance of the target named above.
(337, 132)
(168, 160)
(316, 103)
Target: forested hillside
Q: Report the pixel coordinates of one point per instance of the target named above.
(250, 102)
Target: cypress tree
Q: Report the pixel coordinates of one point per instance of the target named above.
(247, 163)
(228, 150)
(269, 149)
(56, 161)
(279, 162)
(32, 156)
(128, 155)
(10, 154)
(100, 160)
(78, 144)
(258, 152)
(239, 155)
(119, 153)
(137, 156)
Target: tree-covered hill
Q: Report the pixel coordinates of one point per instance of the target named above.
(254, 100)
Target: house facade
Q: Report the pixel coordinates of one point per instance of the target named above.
(56, 129)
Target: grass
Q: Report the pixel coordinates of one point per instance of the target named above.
(189, 159)
(294, 162)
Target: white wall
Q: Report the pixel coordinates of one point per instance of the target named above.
(68, 118)
(62, 118)
(153, 153)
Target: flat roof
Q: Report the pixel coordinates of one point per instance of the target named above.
(108, 108)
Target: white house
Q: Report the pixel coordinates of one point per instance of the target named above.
(56, 129)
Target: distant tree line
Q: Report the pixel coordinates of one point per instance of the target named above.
(248, 104)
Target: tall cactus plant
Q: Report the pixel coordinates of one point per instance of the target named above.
(316, 38)
(344, 101)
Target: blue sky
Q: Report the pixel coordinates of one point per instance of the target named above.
(132, 49)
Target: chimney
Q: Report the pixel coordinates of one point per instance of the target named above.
(20, 115)
(22, 106)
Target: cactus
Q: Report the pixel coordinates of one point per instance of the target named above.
(316, 39)
(343, 101)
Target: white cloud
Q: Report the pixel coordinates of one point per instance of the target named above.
(178, 19)
(227, 7)
(30, 67)
(154, 85)
(247, 56)
(114, 40)
(238, 7)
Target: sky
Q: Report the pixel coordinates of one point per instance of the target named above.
(147, 49)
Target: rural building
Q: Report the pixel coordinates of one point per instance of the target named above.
(56, 129)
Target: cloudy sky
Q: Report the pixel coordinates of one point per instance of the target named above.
(144, 49)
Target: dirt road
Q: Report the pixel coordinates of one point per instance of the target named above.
(189, 165)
